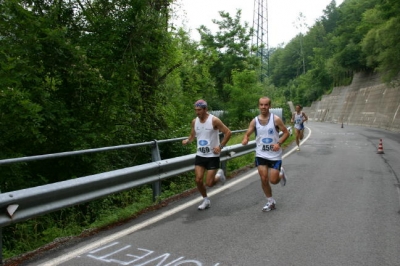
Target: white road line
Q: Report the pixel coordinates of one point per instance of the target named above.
(301, 142)
(137, 227)
(132, 229)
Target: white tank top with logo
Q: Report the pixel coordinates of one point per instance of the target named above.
(207, 137)
(266, 136)
(298, 120)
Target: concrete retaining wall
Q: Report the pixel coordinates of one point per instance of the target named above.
(366, 102)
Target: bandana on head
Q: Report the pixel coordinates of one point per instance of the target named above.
(201, 104)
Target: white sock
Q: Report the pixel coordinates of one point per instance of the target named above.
(270, 199)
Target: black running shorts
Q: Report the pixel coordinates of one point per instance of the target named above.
(209, 163)
(270, 164)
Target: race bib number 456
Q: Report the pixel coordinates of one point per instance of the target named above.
(269, 147)
(266, 144)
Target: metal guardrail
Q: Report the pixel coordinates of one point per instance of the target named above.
(21, 205)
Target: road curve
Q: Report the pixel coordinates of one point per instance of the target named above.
(341, 206)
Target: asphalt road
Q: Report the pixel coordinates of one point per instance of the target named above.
(341, 206)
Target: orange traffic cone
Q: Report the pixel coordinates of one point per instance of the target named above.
(380, 147)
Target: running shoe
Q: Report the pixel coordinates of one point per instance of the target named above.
(283, 178)
(205, 205)
(298, 148)
(221, 176)
(269, 206)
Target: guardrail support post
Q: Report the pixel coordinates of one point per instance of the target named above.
(223, 164)
(1, 246)
(155, 156)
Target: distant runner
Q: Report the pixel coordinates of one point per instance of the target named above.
(298, 118)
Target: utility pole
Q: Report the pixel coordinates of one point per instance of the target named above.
(260, 37)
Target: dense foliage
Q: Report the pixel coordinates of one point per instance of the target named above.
(359, 35)
(83, 74)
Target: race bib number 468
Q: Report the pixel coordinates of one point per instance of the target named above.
(204, 146)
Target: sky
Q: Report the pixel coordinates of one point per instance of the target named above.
(281, 15)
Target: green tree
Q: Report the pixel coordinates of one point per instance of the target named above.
(195, 78)
(230, 48)
(245, 92)
(330, 18)
(382, 42)
(345, 39)
(286, 63)
(77, 76)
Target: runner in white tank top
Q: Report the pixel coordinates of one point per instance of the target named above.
(298, 118)
(207, 137)
(205, 128)
(266, 137)
(268, 149)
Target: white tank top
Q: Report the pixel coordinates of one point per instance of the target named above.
(265, 137)
(207, 137)
(298, 119)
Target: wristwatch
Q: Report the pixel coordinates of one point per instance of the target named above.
(221, 147)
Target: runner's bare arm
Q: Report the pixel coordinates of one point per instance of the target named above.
(278, 121)
(249, 131)
(305, 117)
(192, 135)
(224, 129)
